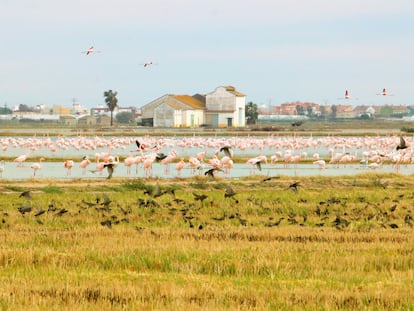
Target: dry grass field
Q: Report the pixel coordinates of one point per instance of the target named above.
(241, 244)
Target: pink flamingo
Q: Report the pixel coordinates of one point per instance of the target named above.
(179, 166)
(171, 156)
(128, 162)
(201, 155)
(20, 159)
(214, 162)
(68, 165)
(137, 161)
(36, 166)
(147, 164)
(320, 163)
(194, 164)
(226, 163)
(90, 51)
(256, 162)
(84, 163)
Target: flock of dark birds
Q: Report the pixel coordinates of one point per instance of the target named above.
(332, 212)
(112, 213)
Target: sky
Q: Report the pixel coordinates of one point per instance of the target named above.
(273, 51)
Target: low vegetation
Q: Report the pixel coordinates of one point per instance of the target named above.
(310, 243)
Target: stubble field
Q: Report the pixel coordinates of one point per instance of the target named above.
(329, 243)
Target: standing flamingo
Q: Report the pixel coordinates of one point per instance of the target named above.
(128, 162)
(37, 166)
(179, 166)
(84, 163)
(166, 161)
(2, 167)
(68, 165)
(20, 159)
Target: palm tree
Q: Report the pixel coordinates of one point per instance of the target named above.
(111, 101)
(251, 113)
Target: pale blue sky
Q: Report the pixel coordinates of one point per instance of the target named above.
(273, 51)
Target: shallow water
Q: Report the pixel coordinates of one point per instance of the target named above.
(55, 170)
(70, 148)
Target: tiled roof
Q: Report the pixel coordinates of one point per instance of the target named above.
(189, 101)
(232, 90)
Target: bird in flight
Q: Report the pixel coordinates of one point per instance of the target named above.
(294, 186)
(402, 144)
(227, 151)
(211, 172)
(148, 63)
(347, 96)
(90, 51)
(385, 93)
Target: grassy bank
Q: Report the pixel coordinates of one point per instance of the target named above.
(329, 243)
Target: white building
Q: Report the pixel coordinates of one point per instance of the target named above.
(225, 107)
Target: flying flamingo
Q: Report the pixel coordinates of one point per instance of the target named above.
(149, 63)
(347, 96)
(385, 93)
(90, 51)
(68, 165)
(36, 166)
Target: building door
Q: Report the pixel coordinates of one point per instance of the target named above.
(214, 120)
(229, 122)
(192, 120)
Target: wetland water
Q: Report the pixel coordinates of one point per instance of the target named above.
(77, 147)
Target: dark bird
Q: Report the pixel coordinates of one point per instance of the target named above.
(158, 191)
(340, 222)
(258, 164)
(294, 186)
(393, 208)
(270, 178)
(107, 223)
(26, 195)
(61, 212)
(25, 208)
(106, 201)
(408, 219)
(199, 197)
(230, 194)
(40, 211)
(296, 123)
(89, 204)
(110, 168)
(402, 144)
(51, 207)
(160, 156)
(227, 151)
(211, 172)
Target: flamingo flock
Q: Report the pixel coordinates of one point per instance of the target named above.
(198, 154)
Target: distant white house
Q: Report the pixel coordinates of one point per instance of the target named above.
(224, 107)
(173, 111)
